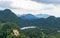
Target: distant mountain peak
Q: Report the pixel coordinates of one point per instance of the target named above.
(28, 16)
(42, 15)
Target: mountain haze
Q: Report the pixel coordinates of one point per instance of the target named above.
(42, 15)
(28, 17)
(33, 17)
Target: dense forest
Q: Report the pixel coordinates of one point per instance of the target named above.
(10, 25)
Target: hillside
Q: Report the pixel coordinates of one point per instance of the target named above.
(8, 16)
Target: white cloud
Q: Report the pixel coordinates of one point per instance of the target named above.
(28, 6)
(48, 1)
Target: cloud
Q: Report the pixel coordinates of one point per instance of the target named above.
(5, 4)
(48, 1)
(23, 4)
(28, 6)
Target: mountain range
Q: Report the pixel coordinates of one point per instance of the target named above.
(41, 20)
(28, 25)
(32, 17)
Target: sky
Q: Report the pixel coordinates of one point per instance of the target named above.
(34, 7)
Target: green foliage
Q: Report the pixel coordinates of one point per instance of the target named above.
(6, 30)
(38, 33)
(47, 27)
(9, 36)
